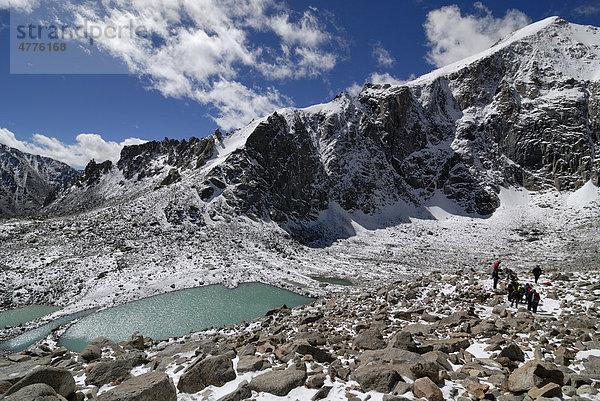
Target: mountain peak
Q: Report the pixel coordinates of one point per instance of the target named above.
(27, 181)
(564, 47)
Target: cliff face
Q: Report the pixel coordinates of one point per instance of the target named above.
(523, 113)
(27, 182)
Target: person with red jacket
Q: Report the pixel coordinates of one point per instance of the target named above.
(496, 273)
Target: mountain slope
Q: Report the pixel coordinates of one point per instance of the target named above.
(523, 113)
(28, 182)
(448, 153)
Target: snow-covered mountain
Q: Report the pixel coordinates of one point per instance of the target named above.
(526, 113)
(492, 157)
(29, 182)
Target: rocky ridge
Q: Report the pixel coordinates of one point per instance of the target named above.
(29, 182)
(523, 113)
(441, 336)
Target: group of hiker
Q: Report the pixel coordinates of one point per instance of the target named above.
(519, 293)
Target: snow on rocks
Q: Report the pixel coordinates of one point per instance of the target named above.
(472, 345)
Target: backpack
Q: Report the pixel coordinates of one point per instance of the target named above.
(536, 297)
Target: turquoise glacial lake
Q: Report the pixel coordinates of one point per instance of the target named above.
(25, 314)
(179, 312)
(30, 337)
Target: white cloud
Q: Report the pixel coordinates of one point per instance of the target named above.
(453, 36)
(587, 10)
(382, 56)
(86, 148)
(386, 78)
(207, 50)
(238, 103)
(354, 89)
(19, 5)
(377, 78)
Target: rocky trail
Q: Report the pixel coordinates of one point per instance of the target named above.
(438, 336)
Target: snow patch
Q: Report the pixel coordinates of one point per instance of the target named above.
(584, 195)
(513, 197)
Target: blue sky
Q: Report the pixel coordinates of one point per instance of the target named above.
(222, 66)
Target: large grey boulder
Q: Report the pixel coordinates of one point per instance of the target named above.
(426, 369)
(475, 388)
(406, 363)
(60, 380)
(318, 354)
(378, 378)
(455, 319)
(512, 352)
(153, 386)
(534, 374)
(279, 382)
(447, 345)
(211, 371)
(420, 328)
(90, 353)
(592, 365)
(251, 363)
(104, 372)
(369, 339)
(35, 392)
(439, 357)
(13, 372)
(103, 342)
(403, 340)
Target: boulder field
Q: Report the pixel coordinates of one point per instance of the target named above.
(441, 336)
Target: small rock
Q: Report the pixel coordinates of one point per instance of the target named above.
(549, 390)
(586, 389)
(137, 341)
(426, 369)
(426, 388)
(316, 381)
(322, 393)
(569, 391)
(19, 358)
(241, 393)
(402, 388)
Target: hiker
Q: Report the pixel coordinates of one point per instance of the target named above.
(510, 288)
(535, 301)
(537, 272)
(516, 295)
(510, 276)
(528, 295)
(496, 274)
